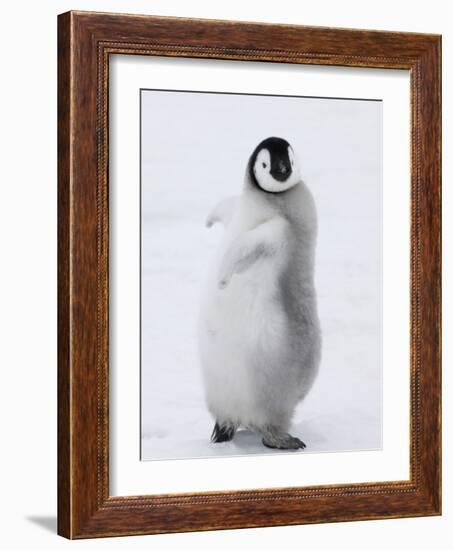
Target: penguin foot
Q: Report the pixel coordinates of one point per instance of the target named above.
(282, 440)
(223, 432)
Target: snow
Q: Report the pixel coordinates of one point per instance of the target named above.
(194, 151)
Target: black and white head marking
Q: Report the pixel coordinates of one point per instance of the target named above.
(273, 166)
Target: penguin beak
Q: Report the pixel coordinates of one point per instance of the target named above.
(281, 172)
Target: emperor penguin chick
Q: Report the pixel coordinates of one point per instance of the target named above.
(259, 333)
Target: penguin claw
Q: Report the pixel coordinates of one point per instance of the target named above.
(300, 443)
(222, 433)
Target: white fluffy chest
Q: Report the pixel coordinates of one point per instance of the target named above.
(248, 313)
(241, 326)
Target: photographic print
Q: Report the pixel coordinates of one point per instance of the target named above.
(249, 274)
(261, 274)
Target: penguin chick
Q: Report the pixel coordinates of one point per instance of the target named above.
(259, 333)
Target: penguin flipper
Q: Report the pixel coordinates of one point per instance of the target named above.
(263, 241)
(223, 212)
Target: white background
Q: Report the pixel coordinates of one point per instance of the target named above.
(28, 287)
(131, 477)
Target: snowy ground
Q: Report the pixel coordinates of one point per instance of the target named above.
(195, 147)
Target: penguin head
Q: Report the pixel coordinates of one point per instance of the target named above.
(273, 166)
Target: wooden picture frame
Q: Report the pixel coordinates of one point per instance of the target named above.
(85, 42)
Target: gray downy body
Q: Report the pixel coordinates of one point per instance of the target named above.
(260, 338)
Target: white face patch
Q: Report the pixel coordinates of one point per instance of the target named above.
(262, 171)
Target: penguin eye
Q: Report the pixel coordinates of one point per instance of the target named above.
(264, 165)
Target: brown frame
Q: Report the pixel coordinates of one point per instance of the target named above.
(85, 42)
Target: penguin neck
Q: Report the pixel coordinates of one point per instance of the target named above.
(272, 204)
